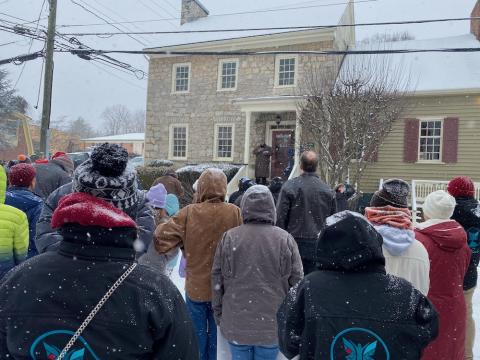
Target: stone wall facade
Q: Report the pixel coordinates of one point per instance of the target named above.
(204, 106)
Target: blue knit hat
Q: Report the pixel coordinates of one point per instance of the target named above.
(172, 205)
(157, 196)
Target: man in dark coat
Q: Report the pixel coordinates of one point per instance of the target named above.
(303, 205)
(171, 183)
(467, 213)
(43, 303)
(350, 308)
(263, 153)
(106, 176)
(19, 194)
(275, 187)
(53, 174)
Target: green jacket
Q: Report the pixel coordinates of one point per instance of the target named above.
(13, 231)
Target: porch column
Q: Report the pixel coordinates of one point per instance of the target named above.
(298, 135)
(246, 154)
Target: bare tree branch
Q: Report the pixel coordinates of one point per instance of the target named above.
(348, 116)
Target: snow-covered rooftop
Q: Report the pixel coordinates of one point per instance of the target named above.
(253, 14)
(435, 71)
(116, 138)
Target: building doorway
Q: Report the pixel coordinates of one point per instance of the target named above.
(283, 150)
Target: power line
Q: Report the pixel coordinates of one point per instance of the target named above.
(118, 77)
(263, 53)
(305, 27)
(230, 14)
(101, 18)
(26, 22)
(9, 43)
(30, 46)
(120, 17)
(20, 59)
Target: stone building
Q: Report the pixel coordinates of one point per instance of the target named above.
(217, 108)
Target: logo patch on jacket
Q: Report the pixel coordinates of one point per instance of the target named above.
(49, 345)
(474, 239)
(358, 344)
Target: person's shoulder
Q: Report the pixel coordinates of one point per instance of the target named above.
(13, 212)
(27, 271)
(152, 281)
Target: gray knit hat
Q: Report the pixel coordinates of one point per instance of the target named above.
(394, 192)
(106, 176)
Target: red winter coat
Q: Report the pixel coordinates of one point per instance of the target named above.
(446, 244)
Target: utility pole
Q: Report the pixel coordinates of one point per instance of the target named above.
(48, 79)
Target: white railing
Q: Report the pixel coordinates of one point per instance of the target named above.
(421, 189)
(233, 184)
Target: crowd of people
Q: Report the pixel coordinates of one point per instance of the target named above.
(86, 256)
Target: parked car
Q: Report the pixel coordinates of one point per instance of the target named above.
(79, 157)
(137, 161)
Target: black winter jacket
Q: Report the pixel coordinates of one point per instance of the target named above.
(50, 177)
(303, 205)
(467, 214)
(44, 302)
(48, 239)
(350, 309)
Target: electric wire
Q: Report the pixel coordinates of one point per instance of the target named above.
(103, 19)
(263, 53)
(229, 14)
(120, 17)
(303, 27)
(30, 47)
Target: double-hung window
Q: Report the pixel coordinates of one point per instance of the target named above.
(224, 138)
(181, 78)
(286, 71)
(178, 142)
(430, 140)
(227, 74)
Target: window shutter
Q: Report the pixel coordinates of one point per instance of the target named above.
(410, 142)
(450, 140)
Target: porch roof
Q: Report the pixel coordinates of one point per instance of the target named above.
(268, 103)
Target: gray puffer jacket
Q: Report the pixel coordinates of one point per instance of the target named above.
(50, 177)
(49, 239)
(255, 265)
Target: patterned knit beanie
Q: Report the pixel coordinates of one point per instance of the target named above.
(106, 176)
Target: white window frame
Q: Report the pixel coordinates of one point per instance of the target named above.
(220, 74)
(215, 142)
(174, 78)
(423, 120)
(277, 70)
(170, 143)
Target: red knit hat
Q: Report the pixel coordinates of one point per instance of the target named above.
(88, 210)
(21, 175)
(461, 186)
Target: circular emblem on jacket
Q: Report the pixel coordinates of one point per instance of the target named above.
(358, 344)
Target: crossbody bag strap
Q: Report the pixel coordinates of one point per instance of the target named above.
(95, 310)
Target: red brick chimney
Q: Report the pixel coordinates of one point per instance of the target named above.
(475, 23)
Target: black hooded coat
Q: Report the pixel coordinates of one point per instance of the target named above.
(351, 309)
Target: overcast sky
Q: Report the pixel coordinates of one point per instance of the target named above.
(85, 88)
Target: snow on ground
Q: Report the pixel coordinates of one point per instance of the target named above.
(222, 346)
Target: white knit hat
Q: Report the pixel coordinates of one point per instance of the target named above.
(439, 205)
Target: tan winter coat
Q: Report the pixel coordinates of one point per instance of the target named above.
(197, 229)
(255, 266)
